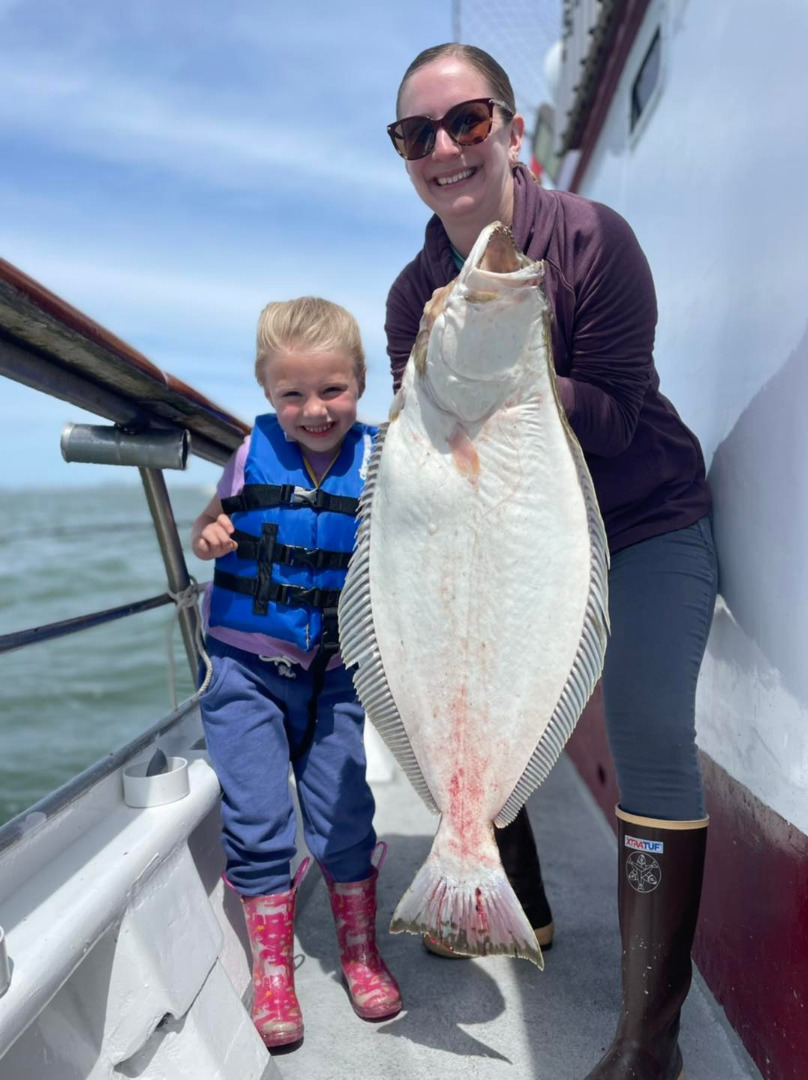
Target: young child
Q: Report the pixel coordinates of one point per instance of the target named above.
(281, 528)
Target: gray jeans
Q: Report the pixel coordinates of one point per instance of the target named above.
(661, 597)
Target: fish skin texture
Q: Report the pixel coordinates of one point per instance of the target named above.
(475, 608)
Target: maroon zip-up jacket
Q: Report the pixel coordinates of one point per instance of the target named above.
(646, 465)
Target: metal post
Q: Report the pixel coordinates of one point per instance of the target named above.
(173, 556)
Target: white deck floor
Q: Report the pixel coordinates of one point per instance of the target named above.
(496, 1018)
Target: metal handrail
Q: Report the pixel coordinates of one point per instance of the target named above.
(49, 346)
(20, 638)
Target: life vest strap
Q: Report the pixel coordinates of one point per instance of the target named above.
(265, 591)
(268, 496)
(329, 644)
(318, 558)
(329, 634)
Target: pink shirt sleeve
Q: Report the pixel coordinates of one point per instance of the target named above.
(232, 479)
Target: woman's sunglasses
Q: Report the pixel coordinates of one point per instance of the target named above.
(467, 123)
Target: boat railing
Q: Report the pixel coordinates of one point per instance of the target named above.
(63, 797)
(19, 638)
(157, 420)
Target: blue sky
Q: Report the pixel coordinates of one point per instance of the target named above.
(168, 168)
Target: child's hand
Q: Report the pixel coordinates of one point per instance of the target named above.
(215, 539)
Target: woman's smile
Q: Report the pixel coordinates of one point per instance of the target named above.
(454, 178)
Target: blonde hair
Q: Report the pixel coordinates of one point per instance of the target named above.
(310, 324)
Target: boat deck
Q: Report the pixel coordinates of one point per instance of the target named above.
(497, 1017)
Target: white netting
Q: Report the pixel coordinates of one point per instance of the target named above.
(518, 34)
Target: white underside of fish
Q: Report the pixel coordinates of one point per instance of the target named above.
(475, 609)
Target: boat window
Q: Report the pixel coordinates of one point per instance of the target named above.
(647, 80)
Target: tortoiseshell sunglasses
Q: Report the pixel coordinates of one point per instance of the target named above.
(466, 123)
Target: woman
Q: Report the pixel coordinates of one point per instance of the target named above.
(460, 136)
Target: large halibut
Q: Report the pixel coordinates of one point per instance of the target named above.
(475, 606)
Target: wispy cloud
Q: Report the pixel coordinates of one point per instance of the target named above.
(170, 167)
(198, 321)
(115, 120)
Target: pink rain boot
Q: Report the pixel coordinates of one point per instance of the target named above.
(373, 991)
(270, 924)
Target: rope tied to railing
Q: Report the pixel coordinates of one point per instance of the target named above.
(186, 600)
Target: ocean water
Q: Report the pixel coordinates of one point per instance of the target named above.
(66, 703)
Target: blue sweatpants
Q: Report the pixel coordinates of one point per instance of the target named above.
(255, 718)
(661, 598)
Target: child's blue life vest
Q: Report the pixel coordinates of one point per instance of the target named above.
(294, 539)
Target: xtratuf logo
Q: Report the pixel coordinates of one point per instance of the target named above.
(656, 846)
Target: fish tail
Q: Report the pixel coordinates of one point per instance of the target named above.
(475, 914)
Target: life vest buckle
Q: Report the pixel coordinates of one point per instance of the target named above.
(313, 597)
(316, 558)
(305, 497)
(329, 638)
(320, 559)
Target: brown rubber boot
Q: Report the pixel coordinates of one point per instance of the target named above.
(660, 869)
(517, 849)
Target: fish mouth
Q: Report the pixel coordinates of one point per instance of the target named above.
(497, 279)
(501, 255)
(497, 269)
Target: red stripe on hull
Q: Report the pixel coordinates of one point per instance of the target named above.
(752, 944)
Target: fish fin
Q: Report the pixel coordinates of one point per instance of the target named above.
(478, 915)
(358, 641)
(588, 662)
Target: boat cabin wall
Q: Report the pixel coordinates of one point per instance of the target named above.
(711, 180)
(703, 151)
